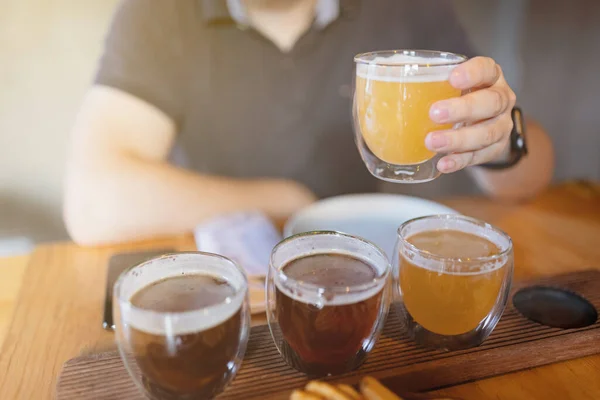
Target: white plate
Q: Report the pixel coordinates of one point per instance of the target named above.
(375, 217)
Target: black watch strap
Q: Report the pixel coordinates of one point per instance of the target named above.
(518, 142)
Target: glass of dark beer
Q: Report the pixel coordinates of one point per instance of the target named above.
(182, 324)
(327, 299)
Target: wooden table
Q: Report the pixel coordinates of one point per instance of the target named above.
(58, 312)
(12, 270)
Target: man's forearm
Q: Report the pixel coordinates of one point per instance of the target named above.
(136, 199)
(531, 175)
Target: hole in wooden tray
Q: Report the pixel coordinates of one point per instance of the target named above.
(555, 307)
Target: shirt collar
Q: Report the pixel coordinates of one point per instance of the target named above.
(232, 11)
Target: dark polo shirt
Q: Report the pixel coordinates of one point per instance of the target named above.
(245, 109)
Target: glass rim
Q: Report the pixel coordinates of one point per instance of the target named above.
(362, 58)
(126, 303)
(437, 257)
(335, 288)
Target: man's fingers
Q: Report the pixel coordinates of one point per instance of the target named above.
(476, 106)
(472, 137)
(474, 73)
(456, 162)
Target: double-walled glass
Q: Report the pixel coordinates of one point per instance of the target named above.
(452, 302)
(193, 350)
(322, 325)
(393, 92)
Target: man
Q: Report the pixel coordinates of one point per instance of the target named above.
(257, 92)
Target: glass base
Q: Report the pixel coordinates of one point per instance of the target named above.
(426, 338)
(320, 369)
(414, 173)
(156, 392)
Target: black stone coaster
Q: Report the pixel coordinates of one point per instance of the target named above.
(555, 307)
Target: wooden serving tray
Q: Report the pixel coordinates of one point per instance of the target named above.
(517, 343)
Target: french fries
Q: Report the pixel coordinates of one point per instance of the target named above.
(326, 391)
(302, 395)
(370, 389)
(350, 392)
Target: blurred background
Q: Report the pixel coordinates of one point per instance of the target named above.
(549, 50)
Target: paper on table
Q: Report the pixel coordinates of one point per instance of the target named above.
(246, 238)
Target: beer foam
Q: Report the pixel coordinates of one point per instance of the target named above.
(309, 294)
(458, 266)
(324, 242)
(179, 323)
(403, 58)
(403, 68)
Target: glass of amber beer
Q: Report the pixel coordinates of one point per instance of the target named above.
(182, 324)
(393, 93)
(452, 279)
(327, 299)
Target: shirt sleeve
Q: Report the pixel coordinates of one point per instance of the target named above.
(144, 54)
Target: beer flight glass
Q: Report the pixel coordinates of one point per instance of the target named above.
(182, 324)
(327, 298)
(452, 279)
(393, 92)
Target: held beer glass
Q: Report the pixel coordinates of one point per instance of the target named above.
(393, 92)
(182, 324)
(327, 299)
(452, 279)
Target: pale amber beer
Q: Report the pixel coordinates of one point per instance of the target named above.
(454, 275)
(450, 302)
(393, 95)
(394, 115)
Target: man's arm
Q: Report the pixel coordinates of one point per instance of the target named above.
(526, 179)
(119, 186)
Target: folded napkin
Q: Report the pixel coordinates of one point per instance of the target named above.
(246, 238)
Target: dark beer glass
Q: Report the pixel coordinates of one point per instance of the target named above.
(327, 299)
(182, 324)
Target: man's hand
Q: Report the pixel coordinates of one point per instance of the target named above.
(485, 111)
